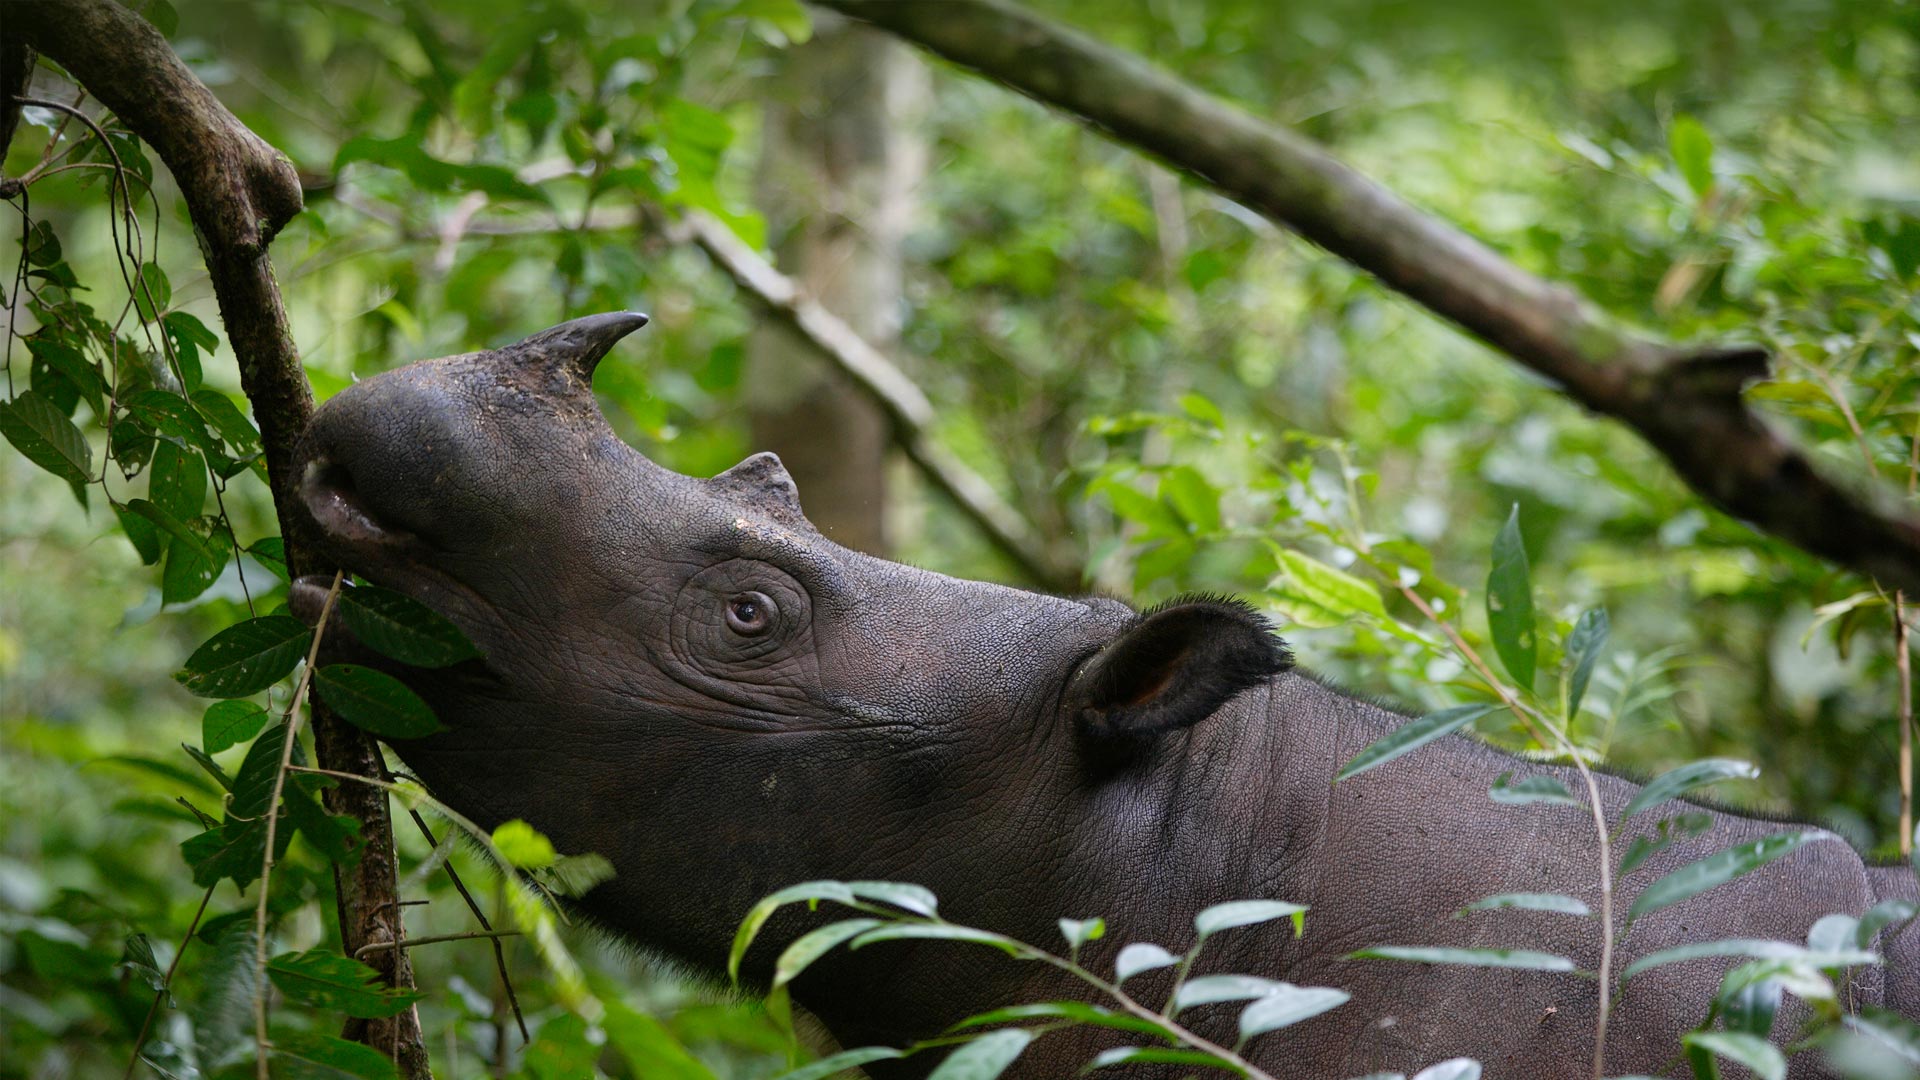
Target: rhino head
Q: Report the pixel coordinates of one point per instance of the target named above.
(683, 675)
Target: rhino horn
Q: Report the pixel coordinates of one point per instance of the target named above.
(574, 347)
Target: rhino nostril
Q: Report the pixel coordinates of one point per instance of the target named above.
(334, 500)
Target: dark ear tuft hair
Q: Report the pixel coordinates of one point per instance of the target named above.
(1173, 667)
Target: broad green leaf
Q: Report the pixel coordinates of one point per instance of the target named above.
(1211, 989)
(814, 944)
(235, 429)
(1078, 1012)
(227, 983)
(1338, 593)
(926, 931)
(522, 846)
(1801, 978)
(836, 1064)
(561, 1050)
(144, 535)
(246, 657)
(1882, 915)
(1411, 736)
(1530, 789)
(1155, 1055)
(63, 356)
(253, 784)
(1692, 151)
(1287, 1006)
(177, 480)
(1510, 603)
(192, 567)
(1719, 868)
(151, 292)
(1677, 782)
(375, 701)
(208, 765)
(649, 1048)
(330, 981)
(1451, 1069)
(810, 891)
(1529, 901)
(403, 628)
(1751, 1007)
(233, 850)
(1830, 932)
(1489, 958)
(335, 836)
(1752, 949)
(1237, 913)
(1203, 410)
(1196, 500)
(39, 430)
(230, 723)
(985, 1057)
(1138, 957)
(1584, 646)
(914, 898)
(271, 553)
(1080, 931)
(1888, 1029)
(309, 1055)
(1757, 1054)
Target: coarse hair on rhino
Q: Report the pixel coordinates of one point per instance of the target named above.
(684, 676)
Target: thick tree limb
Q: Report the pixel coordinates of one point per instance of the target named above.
(1684, 400)
(239, 192)
(897, 395)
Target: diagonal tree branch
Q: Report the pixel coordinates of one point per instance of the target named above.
(897, 395)
(1684, 400)
(239, 192)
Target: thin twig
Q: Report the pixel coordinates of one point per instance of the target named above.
(470, 935)
(273, 820)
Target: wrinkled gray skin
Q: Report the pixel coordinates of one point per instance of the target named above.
(892, 723)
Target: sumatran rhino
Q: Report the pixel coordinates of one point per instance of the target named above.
(683, 675)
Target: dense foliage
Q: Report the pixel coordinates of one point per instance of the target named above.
(1159, 380)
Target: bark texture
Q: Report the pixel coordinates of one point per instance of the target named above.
(240, 191)
(839, 163)
(1685, 400)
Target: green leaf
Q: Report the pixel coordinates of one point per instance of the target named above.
(1882, 915)
(177, 481)
(1155, 1055)
(649, 1048)
(151, 292)
(1719, 868)
(327, 980)
(1526, 959)
(576, 875)
(522, 846)
(208, 765)
(228, 983)
(985, 1057)
(1287, 1006)
(1213, 989)
(336, 836)
(1237, 913)
(145, 536)
(1760, 1056)
(39, 430)
(1197, 502)
(1078, 1012)
(835, 1064)
(914, 898)
(64, 356)
(253, 784)
(41, 245)
(1677, 782)
(1692, 151)
(1528, 901)
(1530, 789)
(138, 960)
(1321, 588)
(1080, 931)
(1138, 957)
(271, 553)
(246, 657)
(230, 723)
(933, 931)
(1669, 830)
(375, 701)
(1451, 1069)
(1584, 646)
(235, 429)
(1411, 736)
(308, 1055)
(815, 944)
(1510, 602)
(192, 567)
(1751, 949)
(811, 891)
(403, 628)
(1203, 410)
(1890, 1030)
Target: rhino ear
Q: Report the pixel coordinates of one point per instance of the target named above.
(1173, 667)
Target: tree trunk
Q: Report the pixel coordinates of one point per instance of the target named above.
(840, 162)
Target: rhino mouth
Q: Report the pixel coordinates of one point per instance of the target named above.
(334, 501)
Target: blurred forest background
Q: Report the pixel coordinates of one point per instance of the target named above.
(1161, 383)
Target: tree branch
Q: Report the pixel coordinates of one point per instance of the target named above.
(1684, 400)
(897, 395)
(239, 192)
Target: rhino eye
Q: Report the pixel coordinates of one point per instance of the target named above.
(750, 613)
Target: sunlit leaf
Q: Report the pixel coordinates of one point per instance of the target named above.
(1530, 789)
(1077, 1011)
(1237, 913)
(1527, 901)
(1692, 151)
(1210, 989)
(1510, 603)
(922, 931)
(1451, 1069)
(814, 944)
(985, 1057)
(1138, 957)
(1288, 1005)
(1719, 868)
(835, 1064)
(1584, 646)
(1155, 1055)
(811, 891)
(522, 846)
(1526, 959)
(1677, 782)
(1750, 948)
(1757, 1054)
